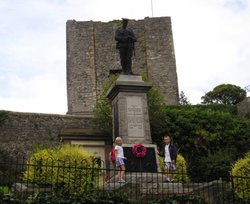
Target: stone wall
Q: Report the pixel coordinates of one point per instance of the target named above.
(21, 132)
(91, 54)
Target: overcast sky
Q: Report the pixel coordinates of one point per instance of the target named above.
(211, 40)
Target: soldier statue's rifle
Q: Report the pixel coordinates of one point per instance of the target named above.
(131, 42)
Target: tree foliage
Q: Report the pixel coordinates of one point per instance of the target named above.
(103, 109)
(224, 94)
(207, 134)
(183, 99)
(156, 113)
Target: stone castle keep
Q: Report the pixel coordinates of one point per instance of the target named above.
(91, 57)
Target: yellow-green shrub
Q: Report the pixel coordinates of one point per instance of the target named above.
(241, 170)
(181, 172)
(68, 167)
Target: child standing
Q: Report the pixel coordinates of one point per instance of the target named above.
(119, 155)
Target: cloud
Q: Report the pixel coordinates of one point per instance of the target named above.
(210, 43)
(28, 95)
(211, 40)
(33, 50)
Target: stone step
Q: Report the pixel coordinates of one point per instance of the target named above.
(147, 183)
(149, 188)
(141, 177)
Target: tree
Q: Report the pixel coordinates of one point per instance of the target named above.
(183, 99)
(103, 108)
(210, 137)
(224, 94)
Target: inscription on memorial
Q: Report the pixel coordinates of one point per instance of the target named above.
(135, 117)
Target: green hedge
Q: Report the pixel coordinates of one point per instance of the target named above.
(241, 174)
(206, 135)
(68, 168)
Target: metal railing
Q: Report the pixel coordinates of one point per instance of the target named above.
(24, 180)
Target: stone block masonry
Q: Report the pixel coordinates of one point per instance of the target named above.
(21, 132)
(91, 54)
(130, 109)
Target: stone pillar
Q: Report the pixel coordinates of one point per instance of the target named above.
(130, 109)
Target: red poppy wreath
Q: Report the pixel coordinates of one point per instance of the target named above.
(139, 150)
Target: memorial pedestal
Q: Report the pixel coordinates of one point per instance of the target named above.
(131, 121)
(130, 109)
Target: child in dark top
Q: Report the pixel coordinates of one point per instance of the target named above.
(170, 154)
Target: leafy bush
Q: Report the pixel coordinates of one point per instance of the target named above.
(203, 131)
(92, 197)
(117, 198)
(68, 168)
(7, 168)
(241, 175)
(103, 107)
(181, 173)
(213, 166)
(6, 198)
(156, 114)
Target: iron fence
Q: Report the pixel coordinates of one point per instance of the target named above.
(25, 180)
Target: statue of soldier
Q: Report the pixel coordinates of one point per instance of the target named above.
(125, 43)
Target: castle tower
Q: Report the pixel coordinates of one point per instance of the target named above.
(91, 54)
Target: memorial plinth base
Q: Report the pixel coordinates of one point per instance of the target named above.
(149, 163)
